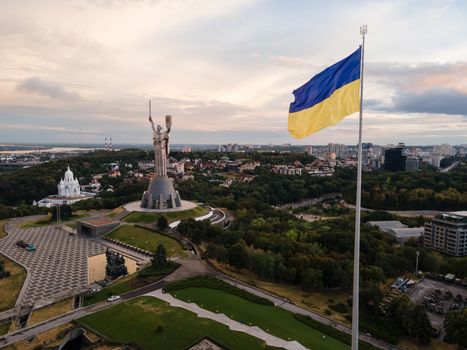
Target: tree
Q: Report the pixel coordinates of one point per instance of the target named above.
(455, 325)
(115, 264)
(312, 278)
(65, 212)
(3, 273)
(160, 257)
(162, 223)
(238, 255)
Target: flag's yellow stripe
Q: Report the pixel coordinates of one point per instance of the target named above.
(342, 102)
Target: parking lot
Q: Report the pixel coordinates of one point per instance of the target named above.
(438, 298)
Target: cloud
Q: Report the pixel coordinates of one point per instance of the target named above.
(47, 88)
(421, 76)
(436, 101)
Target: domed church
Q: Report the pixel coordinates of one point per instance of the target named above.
(69, 192)
(68, 186)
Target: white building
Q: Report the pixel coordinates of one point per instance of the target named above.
(68, 192)
(444, 150)
(68, 186)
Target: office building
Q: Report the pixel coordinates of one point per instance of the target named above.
(447, 233)
(394, 159)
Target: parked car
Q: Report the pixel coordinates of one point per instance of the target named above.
(31, 247)
(21, 244)
(113, 298)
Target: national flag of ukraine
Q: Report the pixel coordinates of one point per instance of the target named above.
(327, 98)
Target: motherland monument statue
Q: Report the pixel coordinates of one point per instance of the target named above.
(161, 193)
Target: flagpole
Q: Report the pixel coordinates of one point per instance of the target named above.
(356, 266)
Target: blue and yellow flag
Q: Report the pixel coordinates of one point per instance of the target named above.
(327, 98)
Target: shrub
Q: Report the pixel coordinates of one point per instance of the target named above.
(341, 308)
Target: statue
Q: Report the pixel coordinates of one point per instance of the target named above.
(161, 145)
(161, 193)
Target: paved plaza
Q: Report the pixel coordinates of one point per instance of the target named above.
(57, 268)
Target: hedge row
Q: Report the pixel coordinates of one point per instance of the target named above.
(332, 332)
(214, 283)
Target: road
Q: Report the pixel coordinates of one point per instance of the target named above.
(449, 168)
(410, 213)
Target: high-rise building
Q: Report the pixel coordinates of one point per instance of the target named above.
(394, 159)
(444, 150)
(436, 160)
(411, 163)
(338, 149)
(447, 233)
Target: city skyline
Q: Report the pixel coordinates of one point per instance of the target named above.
(226, 71)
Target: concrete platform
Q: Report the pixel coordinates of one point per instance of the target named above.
(135, 206)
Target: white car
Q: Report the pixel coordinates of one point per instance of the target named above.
(113, 298)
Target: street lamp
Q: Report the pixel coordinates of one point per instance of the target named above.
(416, 263)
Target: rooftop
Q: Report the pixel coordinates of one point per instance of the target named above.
(387, 224)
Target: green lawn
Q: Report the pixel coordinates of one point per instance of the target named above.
(136, 217)
(4, 328)
(2, 228)
(138, 321)
(146, 239)
(47, 220)
(128, 283)
(11, 286)
(274, 320)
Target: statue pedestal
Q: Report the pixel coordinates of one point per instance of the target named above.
(160, 194)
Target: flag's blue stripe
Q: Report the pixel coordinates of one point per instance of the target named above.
(323, 85)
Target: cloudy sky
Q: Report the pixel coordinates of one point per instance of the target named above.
(75, 71)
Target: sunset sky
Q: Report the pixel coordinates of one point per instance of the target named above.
(78, 71)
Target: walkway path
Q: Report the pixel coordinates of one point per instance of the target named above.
(257, 332)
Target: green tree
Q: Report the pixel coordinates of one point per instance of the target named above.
(66, 212)
(162, 223)
(160, 257)
(3, 272)
(238, 255)
(455, 325)
(312, 278)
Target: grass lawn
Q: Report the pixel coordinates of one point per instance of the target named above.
(146, 239)
(436, 344)
(136, 217)
(138, 320)
(115, 212)
(139, 279)
(50, 311)
(274, 320)
(312, 300)
(2, 228)
(47, 220)
(4, 328)
(11, 286)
